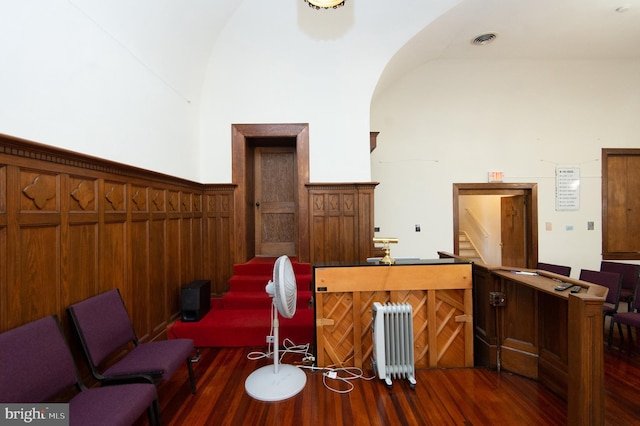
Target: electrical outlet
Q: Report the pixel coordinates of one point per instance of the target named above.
(417, 228)
(497, 298)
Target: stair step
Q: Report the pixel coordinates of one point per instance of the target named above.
(255, 300)
(257, 283)
(468, 253)
(241, 328)
(264, 266)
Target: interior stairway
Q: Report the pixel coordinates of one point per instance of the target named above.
(467, 249)
(242, 317)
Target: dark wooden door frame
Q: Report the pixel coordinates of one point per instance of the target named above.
(241, 151)
(530, 190)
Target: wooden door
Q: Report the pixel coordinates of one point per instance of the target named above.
(513, 231)
(275, 200)
(621, 204)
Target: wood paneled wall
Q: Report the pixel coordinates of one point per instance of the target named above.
(72, 226)
(341, 222)
(219, 235)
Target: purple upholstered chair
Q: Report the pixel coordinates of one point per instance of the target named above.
(611, 280)
(630, 319)
(104, 328)
(630, 279)
(556, 269)
(36, 365)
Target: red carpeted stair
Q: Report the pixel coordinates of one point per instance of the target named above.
(242, 317)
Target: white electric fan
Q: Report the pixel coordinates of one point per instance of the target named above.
(278, 381)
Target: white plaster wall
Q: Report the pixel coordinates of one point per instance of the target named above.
(69, 81)
(305, 66)
(454, 121)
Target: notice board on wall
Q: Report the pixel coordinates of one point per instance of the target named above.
(567, 188)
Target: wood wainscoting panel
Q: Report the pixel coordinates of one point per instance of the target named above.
(219, 236)
(80, 259)
(113, 248)
(34, 290)
(139, 292)
(341, 218)
(162, 267)
(440, 295)
(73, 226)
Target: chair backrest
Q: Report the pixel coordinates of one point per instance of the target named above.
(103, 325)
(556, 269)
(630, 273)
(611, 280)
(35, 362)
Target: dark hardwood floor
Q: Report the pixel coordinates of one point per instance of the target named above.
(474, 396)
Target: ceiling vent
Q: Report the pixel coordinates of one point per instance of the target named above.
(483, 39)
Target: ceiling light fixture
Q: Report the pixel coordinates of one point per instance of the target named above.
(325, 4)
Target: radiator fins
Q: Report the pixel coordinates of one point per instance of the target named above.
(393, 353)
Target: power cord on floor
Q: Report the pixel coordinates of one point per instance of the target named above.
(288, 348)
(342, 374)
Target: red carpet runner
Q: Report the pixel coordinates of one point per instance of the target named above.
(242, 317)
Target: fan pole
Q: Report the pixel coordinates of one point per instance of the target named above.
(276, 335)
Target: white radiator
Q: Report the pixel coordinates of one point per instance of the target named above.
(393, 355)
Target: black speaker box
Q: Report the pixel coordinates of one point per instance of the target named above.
(195, 300)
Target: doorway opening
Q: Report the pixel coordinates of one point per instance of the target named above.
(505, 218)
(270, 166)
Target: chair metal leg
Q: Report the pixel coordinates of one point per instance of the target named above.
(610, 333)
(621, 335)
(192, 378)
(153, 414)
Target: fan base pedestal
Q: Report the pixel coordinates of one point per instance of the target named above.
(265, 385)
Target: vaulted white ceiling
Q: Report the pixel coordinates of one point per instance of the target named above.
(177, 37)
(527, 29)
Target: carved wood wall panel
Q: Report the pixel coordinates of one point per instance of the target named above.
(73, 226)
(341, 217)
(219, 236)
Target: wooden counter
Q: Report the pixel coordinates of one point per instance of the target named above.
(550, 336)
(440, 292)
(555, 337)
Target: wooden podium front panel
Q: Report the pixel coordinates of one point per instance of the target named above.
(519, 351)
(440, 295)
